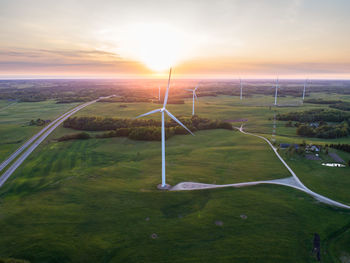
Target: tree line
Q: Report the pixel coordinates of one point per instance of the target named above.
(342, 147)
(324, 130)
(345, 106)
(131, 99)
(139, 129)
(315, 115)
(322, 101)
(313, 123)
(67, 91)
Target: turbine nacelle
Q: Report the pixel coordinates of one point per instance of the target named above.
(162, 110)
(194, 96)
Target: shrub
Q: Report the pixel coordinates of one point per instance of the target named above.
(75, 136)
(122, 132)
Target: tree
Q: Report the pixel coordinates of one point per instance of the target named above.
(305, 130)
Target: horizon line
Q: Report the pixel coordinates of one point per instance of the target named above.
(177, 78)
(159, 76)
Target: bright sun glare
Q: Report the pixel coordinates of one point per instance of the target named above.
(156, 45)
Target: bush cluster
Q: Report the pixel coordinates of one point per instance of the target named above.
(74, 136)
(37, 122)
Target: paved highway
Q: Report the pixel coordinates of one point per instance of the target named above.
(37, 139)
(30, 141)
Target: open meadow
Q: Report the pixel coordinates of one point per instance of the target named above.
(15, 118)
(174, 131)
(96, 200)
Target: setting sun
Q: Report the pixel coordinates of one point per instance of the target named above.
(157, 46)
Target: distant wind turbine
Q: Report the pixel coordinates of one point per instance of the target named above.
(194, 96)
(158, 93)
(304, 89)
(276, 91)
(162, 110)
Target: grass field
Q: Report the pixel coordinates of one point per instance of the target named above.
(96, 200)
(4, 104)
(332, 182)
(14, 120)
(87, 201)
(313, 173)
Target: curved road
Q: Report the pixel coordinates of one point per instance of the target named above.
(42, 135)
(293, 181)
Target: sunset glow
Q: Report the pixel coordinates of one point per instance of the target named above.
(155, 45)
(212, 40)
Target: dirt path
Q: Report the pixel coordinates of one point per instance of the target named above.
(292, 181)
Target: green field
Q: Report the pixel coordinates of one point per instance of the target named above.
(96, 200)
(14, 120)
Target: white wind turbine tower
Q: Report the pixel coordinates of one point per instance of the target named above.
(158, 93)
(162, 110)
(194, 96)
(276, 91)
(304, 89)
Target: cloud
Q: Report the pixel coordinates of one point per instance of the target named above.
(233, 67)
(85, 34)
(22, 60)
(45, 53)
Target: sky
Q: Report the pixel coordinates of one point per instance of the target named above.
(198, 38)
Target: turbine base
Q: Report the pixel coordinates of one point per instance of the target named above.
(165, 187)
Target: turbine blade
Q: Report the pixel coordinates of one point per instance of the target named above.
(179, 122)
(189, 89)
(148, 113)
(167, 91)
(195, 95)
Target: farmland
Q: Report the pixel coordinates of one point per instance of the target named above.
(96, 200)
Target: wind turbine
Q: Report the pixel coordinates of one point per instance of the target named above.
(162, 110)
(276, 91)
(158, 93)
(304, 89)
(194, 95)
(240, 81)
